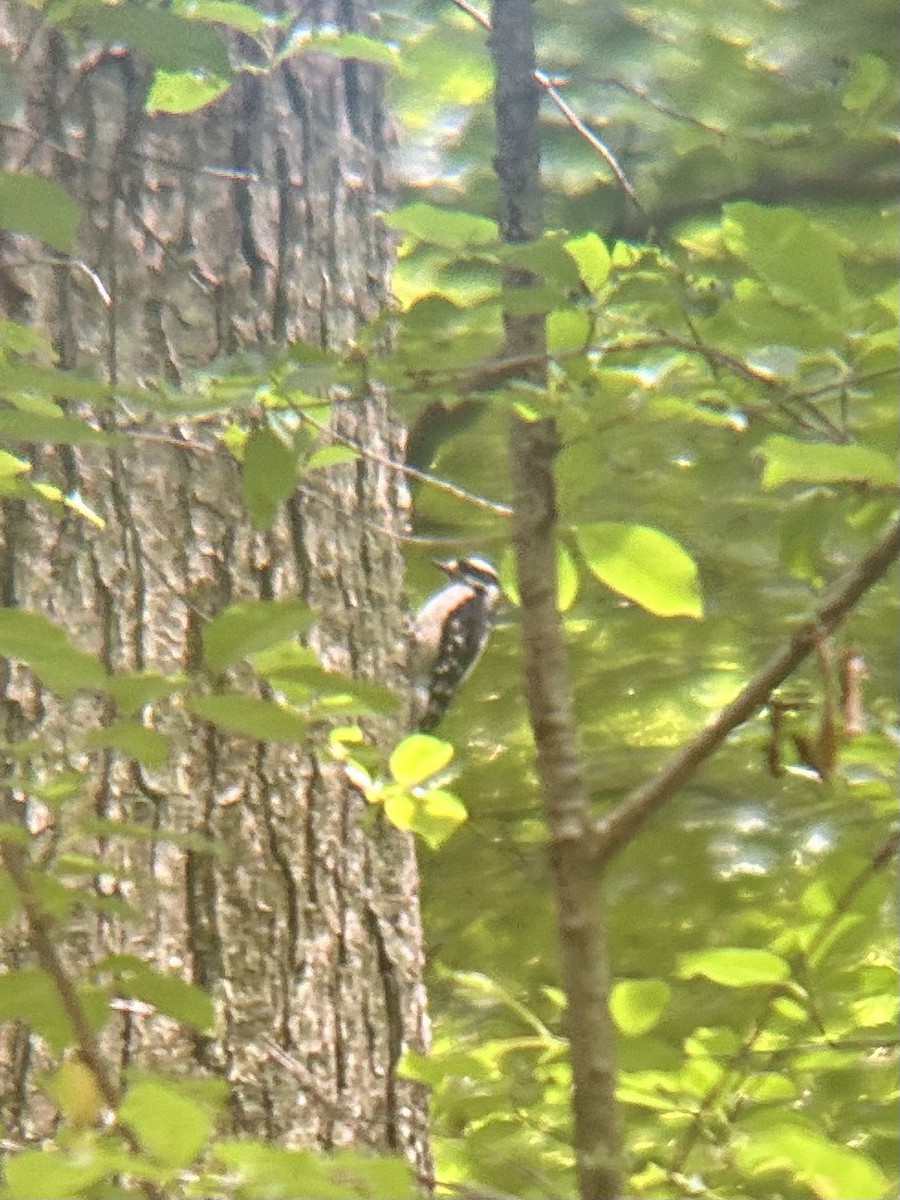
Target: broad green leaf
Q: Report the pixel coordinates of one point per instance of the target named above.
(417, 758)
(183, 1002)
(637, 1004)
(791, 460)
(183, 91)
(50, 1174)
(442, 226)
(74, 1090)
(170, 1126)
(39, 207)
(643, 564)
(262, 720)
(735, 966)
(796, 258)
(244, 629)
(25, 383)
(269, 474)
(434, 816)
(165, 39)
(592, 259)
(36, 641)
(568, 329)
(29, 995)
(136, 741)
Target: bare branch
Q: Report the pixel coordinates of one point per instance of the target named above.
(616, 829)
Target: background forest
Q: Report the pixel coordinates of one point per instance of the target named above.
(717, 281)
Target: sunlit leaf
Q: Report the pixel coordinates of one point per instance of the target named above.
(418, 758)
(735, 966)
(39, 207)
(643, 564)
(637, 1004)
(243, 629)
(791, 460)
(262, 720)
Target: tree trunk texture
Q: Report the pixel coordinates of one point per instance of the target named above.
(248, 223)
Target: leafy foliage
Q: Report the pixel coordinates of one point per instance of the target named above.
(723, 366)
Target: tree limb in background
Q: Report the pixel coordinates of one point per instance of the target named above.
(533, 445)
(614, 831)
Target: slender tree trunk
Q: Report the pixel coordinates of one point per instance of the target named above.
(248, 223)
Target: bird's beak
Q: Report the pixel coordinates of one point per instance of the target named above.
(443, 565)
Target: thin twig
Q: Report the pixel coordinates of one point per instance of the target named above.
(551, 89)
(615, 830)
(442, 485)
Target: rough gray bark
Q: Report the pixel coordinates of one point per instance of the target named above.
(307, 933)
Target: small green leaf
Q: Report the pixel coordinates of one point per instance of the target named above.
(765, 1144)
(183, 91)
(134, 740)
(330, 456)
(183, 1002)
(56, 1174)
(568, 329)
(244, 629)
(791, 460)
(417, 758)
(242, 17)
(643, 564)
(10, 465)
(735, 966)
(169, 1126)
(269, 474)
(39, 207)
(592, 259)
(262, 720)
(637, 1004)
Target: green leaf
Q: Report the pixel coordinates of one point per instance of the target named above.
(343, 45)
(10, 465)
(269, 474)
(183, 1002)
(442, 226)
(592, 259)
(434, 816)
(830, 1171)
(797, 258)
(132, 692)
(39, 207)
(791, 460)
(568, 329)
(183, 91)
(134, 740)
(643, 564)
(262, 720)
(58, 431)
(735, 966)
(165, 39)
(56, 1174)
(242, 17)
(36, 389)
(330, 456)
(417, 758)
(169, 1125)
(637, 1004)
(868, 80)
(34, 640)
(244, 629)
(29, 995)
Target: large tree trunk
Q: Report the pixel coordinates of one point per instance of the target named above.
(248, 223)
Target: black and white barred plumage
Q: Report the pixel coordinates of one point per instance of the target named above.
(450, 633)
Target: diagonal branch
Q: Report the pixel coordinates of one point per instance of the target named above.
(616, 829)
